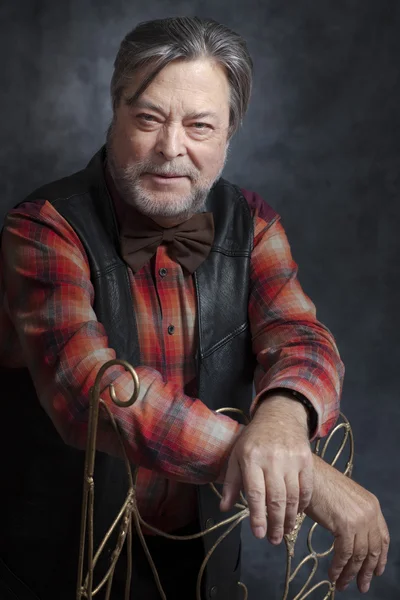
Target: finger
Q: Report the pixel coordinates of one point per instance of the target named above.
(276, 506)
(306, 480)
(385, 546)
(254, 488)
(369, 565)
(343, 551)
(232, 484)
(356, 561)
(292, 502)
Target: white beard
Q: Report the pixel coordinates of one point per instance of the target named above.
(128, 183)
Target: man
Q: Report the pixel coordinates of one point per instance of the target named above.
(150, 256)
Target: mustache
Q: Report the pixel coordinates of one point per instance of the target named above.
(138, 169)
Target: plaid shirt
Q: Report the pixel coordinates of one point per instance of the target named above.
(48, 324)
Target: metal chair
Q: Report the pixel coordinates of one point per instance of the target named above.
(129, 514)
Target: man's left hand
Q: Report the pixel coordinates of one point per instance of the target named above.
(272, 463)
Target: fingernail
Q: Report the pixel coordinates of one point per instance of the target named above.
(364, 588)
(260, 532)
(275, 540)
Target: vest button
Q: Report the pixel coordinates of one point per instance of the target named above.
(213, 592)
(163, 272)
(210, 523)
(171, 329)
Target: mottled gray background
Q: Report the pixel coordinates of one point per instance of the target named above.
(321, 144)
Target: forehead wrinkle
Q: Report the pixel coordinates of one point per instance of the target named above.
(145, 104)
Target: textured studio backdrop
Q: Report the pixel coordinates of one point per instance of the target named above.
(320, 144)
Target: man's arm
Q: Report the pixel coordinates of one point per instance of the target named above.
(272, 460)
(353, 516)
(50, 299)
(293, 349)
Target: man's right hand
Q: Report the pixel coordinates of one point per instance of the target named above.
(354, 517)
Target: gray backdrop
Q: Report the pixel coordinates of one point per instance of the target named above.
(320, 143)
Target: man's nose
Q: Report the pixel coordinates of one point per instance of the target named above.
(171, 142)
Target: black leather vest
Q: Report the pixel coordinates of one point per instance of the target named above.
(40, 509)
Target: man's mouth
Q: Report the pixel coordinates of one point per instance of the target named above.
(169, 176)
(165, 178)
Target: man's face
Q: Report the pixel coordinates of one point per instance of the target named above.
(167, 149)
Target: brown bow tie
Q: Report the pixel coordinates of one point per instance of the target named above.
(189, 243)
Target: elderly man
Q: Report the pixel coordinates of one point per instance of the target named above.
(148, 255)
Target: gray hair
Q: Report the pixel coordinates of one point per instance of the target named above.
(159, 42)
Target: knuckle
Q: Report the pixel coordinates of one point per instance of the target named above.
(336, 570)
(276, 458)
(373, 507)
(345, 556)
(276, 503)
(359, 557)
(305, 455)
(306, 492)
(276, 530)
(292, 501)
(375, 503)
(345, 533)
(257, 521)
(254, 495)
(252, 453)
(374, 553)
(383, 563)
(352, 523)
(367, 575)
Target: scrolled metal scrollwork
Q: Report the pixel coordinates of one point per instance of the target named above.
(129, 515)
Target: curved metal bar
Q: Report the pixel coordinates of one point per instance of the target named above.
(129, 515)
(88, 482)
(244, 588)
(135, 378)
(292, 537)
(318, 585)
(309, 578)
(310, 546)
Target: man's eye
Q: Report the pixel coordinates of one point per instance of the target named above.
(200, 125)
(147, 118)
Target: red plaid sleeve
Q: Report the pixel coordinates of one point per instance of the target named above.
(50, 302)
(293, 349)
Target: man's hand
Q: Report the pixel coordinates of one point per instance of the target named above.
(272, 462)
(354, 517)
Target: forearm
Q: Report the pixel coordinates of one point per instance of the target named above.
(298, 357)
(51, 297)
(353, 515)
(329, 492)
(293, 349)
(164, 430)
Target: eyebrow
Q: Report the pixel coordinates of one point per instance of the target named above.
(147, 105)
